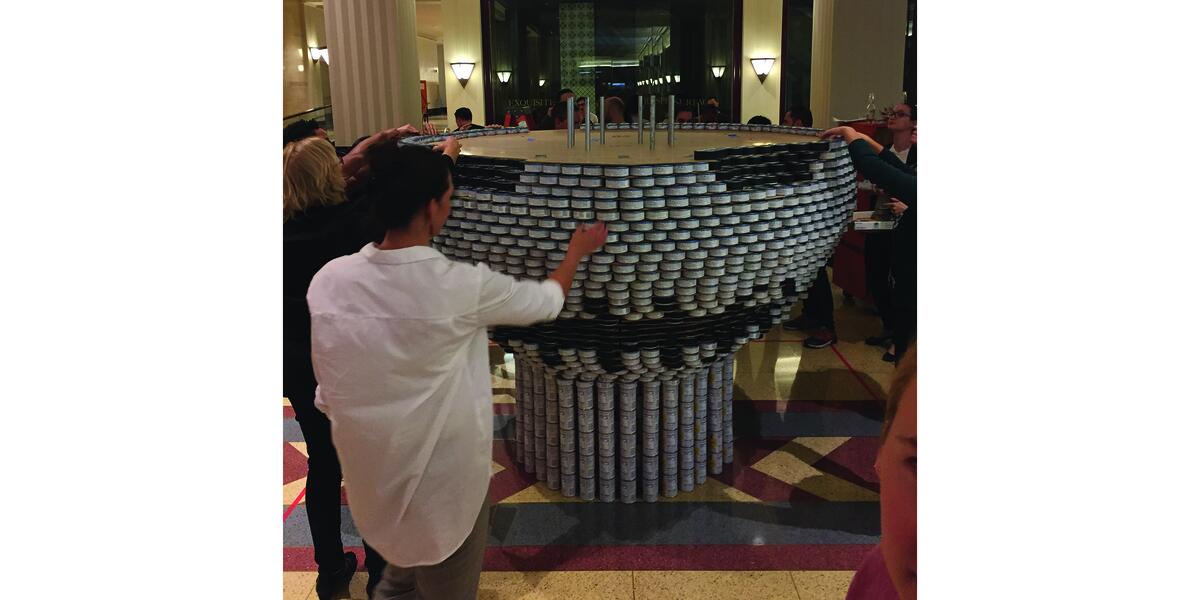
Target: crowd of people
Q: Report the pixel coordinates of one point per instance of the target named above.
(407, 426)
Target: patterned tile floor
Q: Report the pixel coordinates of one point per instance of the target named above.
(791, 519)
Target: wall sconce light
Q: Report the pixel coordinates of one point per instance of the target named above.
(503, 76)
(541, 83)
(318, 54)
(762, 66)
(676, 79)
(718, 72)
(462, 71)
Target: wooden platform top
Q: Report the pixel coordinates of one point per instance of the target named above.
(620, 147)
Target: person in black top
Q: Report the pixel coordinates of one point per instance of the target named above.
(320, 224)
(898, 181)
(798, 116)
(877, 246)
(758, 120)
(462, 118)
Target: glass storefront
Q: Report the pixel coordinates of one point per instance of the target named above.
(621, 48)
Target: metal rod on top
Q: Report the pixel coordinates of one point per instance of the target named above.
(671, 120)
(571, 121)
(587, 123)
(640, 118)
(653, 120)
(602, 111)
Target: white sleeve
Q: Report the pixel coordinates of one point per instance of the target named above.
(503, 300)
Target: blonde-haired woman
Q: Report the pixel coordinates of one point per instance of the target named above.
(319, 224)
(312, 176)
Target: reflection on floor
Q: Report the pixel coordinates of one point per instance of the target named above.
(791, 519)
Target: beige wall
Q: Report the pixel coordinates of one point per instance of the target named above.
(867, 55)
(373, 65)
(762, 34)
(463, 41)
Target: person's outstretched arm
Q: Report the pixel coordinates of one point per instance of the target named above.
(865, 153)
(504, 300)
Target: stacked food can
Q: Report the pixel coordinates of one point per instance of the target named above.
(628, 394)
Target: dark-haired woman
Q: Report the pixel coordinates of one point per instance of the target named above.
(400, 348)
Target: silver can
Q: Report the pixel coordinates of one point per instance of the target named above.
(606, 489)
(567, 464)
(670, 418)
(587, 442)
(628, 491)
(587, 488)
(650, 490)
(628, 422)
(569, 486)
(607, 444)
(650, 445)
(670, 393)
(566, 392)
(586, 419)
(587, 465)
(607, 421)
(566, 440)
(628, 397)
(670, 441)
(566, 417)
(584, 395)
(687, 480)
(628, 445)
(650, 420)
(608, 467)
(628, 466)
(687, 458)
(553, 476)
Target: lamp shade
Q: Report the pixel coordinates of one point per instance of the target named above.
(718, 72)
(462, 70)
(762, 66)
(503, 76)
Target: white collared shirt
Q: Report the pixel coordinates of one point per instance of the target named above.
(399, 345)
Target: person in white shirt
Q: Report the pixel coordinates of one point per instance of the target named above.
(399, 343)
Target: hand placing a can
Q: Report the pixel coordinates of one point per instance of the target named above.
(588, 238)
(450, 147)
(845, 132)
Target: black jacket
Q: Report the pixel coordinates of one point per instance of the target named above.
(310, 240)
(899, 181)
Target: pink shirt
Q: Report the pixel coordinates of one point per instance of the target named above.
(872, 581)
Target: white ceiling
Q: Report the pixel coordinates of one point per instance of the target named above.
(429, 17)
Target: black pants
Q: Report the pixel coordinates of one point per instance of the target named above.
(905, 322)
(877, 252)
(323, 495)
(818, 307)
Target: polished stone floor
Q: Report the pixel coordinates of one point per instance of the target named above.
(790, 519)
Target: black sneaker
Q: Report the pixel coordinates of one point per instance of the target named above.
(883, 341)
(802, 323)
(823, 338)
(331, 584)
